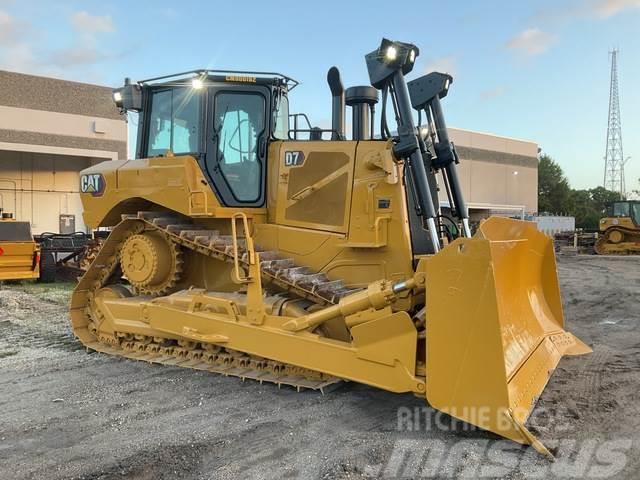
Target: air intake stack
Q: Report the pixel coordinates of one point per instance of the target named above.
(337, 103)
(362, 101)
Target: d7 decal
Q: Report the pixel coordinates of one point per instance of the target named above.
(293, 159)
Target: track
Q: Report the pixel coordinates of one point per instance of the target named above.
(279, 275)
(618, 241)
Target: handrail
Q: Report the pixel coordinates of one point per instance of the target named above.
(205, 71)
(251, 253)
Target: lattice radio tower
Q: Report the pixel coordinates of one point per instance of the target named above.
(614, 159)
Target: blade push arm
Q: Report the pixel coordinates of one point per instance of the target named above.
(387, 67)
(425, 93)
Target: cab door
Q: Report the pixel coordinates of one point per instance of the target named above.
(238, 132)
(315, 183)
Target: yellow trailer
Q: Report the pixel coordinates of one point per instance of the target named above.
(19, 253)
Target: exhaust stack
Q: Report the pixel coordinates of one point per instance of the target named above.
(337, 103)
(362, 101)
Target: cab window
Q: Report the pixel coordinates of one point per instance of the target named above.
(174, 122)
(635, 212)
(281, 130)
(239, 125)
(620, 209)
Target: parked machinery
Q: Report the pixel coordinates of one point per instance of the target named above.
(45, 257)
(620, 230)
(20, 255)
(238, 248)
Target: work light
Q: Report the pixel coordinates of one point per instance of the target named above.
(128, 97)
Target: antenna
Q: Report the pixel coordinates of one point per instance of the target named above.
(614, 159)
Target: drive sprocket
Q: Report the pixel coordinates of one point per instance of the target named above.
(151, 262)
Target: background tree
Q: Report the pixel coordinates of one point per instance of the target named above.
(589, 206)
(554, 193)
(586, 216)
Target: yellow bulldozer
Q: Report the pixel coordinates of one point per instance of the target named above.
(246, 242)
(620, 229)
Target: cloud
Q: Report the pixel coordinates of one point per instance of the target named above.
(609, 8)
(21, 49)
(441, 64)
(77, 56)
(18, 57)
(531, 42)
(15, 52)
(11, 29)
(86, 23)
(581, 9)
(487, 95)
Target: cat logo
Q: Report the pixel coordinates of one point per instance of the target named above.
(93, 183)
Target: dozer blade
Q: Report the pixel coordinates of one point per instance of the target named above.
(495, 327)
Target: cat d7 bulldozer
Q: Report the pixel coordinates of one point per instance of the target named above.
(246, 242)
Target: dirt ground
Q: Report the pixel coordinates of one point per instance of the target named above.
(66, 413)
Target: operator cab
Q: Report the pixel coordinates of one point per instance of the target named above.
(225, 121)
(626, 209)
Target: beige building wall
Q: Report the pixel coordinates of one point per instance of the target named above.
(49, 131)
(499, 175)
(38, 188)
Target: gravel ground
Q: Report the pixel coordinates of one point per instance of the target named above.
(66, 413)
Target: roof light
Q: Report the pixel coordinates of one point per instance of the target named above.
(117, 97)
(412, 56)
(197, 83)
(391, 53)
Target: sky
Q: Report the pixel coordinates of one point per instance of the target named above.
(536, 70)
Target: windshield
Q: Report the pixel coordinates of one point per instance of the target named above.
(621, 209)
(174, 123)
